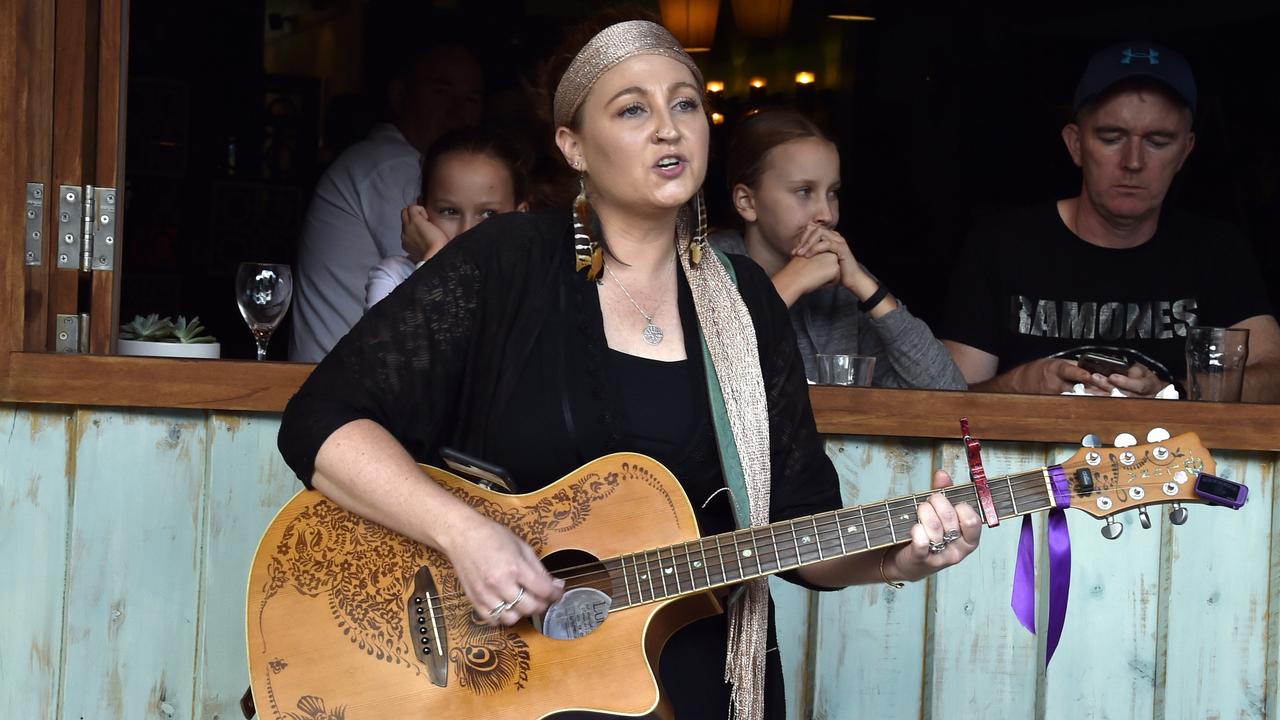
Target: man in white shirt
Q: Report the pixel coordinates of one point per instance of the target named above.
(353, 220)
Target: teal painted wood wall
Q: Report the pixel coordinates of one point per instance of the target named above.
(126, 538)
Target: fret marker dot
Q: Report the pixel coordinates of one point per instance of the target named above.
(904, 517)
(644, 576)
(697, 563)
(668, 570)
(853, 529)
(804, 540)
(746, 553)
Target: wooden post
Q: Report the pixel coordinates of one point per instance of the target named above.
(113, 62)
(72, 105)
(26, 83)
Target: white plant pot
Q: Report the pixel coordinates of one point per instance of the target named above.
(147, 348)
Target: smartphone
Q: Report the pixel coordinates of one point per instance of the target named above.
(478, 471)
(1103, 364)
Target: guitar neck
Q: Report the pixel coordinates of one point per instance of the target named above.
(730, 558)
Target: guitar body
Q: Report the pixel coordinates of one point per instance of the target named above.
(336, 608)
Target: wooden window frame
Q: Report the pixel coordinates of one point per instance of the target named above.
(33, 147)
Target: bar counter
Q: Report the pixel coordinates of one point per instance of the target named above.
(237, 385)
(133, 493)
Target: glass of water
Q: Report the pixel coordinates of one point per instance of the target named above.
(263, 291)
(1215, 363)
(845, 369)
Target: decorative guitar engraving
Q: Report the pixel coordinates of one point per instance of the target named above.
(312, 708)
(362, 569)
(365, 571)
(491, 659)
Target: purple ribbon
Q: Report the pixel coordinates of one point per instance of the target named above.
(1024, 571)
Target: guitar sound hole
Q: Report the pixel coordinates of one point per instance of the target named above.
(579, 569)
(589, 593)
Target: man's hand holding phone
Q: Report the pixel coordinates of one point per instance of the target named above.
(1110, 371)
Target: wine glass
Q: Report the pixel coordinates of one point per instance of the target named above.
(263, 291)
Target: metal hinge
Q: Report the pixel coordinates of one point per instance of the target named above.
(35, 224)
(86, 228)
(71, 335)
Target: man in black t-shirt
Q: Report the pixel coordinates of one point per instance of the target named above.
(1109, 271)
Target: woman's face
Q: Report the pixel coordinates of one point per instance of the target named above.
(799, 187)
(643, 136)
(465, 189)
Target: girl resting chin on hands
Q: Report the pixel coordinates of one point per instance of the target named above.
(468, 176)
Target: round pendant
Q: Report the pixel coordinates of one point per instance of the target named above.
(652, 334)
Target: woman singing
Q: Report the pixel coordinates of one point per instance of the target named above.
(540, 341)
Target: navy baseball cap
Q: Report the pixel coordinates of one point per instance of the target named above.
(1136, 60)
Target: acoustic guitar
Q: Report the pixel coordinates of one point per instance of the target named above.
(350, 621)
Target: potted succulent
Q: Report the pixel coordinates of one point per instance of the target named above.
(155, 336)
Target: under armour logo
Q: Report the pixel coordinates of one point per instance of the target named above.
(1151, 55)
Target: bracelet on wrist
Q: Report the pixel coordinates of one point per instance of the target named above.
(876, 298)
(895, 584)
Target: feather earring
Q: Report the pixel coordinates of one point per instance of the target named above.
(586, 251)
(699, 242)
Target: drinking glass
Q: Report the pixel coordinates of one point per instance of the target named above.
(263, 291)
(1215, 363)
(845, 369)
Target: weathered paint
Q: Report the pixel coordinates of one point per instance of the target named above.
(247, 484)
(34, 503)
(872, 637)
(134, 564)
(1105, 665)
(979, 660)
(1217, 598)
(130, 534)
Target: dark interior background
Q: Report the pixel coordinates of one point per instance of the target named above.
(944, 112)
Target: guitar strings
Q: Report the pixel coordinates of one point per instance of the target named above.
(822, 527)
(827, 526)
(1025, 482)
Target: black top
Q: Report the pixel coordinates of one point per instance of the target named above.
(661, 409)
(1026, 287)
(496, 347)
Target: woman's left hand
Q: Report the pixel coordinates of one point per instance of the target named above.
(955, 529)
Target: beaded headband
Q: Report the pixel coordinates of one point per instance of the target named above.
(608, 48)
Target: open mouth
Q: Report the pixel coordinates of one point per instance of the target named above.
(668, 163)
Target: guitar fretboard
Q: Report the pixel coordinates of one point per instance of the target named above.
(730, 558)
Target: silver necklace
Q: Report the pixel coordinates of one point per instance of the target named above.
(652, 334)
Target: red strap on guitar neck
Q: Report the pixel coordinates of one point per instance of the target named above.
(978, 475)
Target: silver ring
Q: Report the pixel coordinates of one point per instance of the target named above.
(937, 547)
(505, 606)
(950, 536)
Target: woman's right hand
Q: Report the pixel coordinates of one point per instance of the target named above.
(419, 237)
(493, 566)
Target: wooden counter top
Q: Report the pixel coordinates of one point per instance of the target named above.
(1040, 418)
(266, 387)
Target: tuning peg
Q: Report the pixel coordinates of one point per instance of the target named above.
(1091, 441)
(1144, 518)
(1112, 529)
(1178, 514)
(1125, 440)
(1156, 435)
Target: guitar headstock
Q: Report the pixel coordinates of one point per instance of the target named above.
(1104, 481)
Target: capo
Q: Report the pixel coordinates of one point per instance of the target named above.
(978, 475)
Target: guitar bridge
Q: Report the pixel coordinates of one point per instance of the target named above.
(427, 627)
